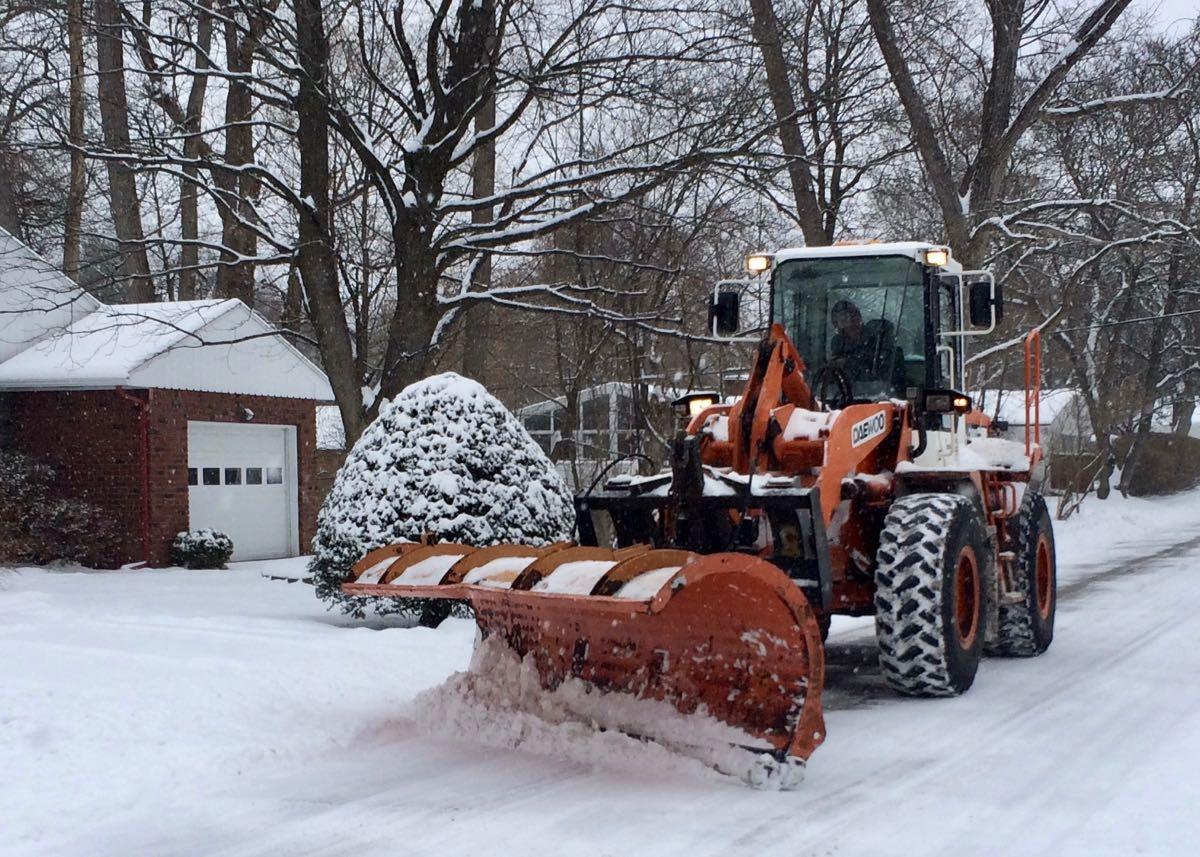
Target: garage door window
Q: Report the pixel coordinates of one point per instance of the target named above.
(235, 476)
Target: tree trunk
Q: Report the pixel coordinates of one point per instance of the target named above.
(293, 301)
(779, 85)
(73, 219)
(411, 348)
(10, 214)
(1181, 417)
(189, 191)
(477, 321)
(235, 276)
(315, 257)
(114, 120)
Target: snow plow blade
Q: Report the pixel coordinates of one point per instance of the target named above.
(728, 635)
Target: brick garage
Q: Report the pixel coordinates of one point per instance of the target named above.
(92, 438)
(130, 403)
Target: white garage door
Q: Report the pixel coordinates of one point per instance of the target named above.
(242, 481)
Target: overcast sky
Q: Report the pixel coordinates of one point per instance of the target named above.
(1169, 12)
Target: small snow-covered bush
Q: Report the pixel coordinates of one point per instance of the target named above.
(38, 526)
(201, 549)
(444, 460)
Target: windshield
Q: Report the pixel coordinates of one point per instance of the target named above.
(864, 316)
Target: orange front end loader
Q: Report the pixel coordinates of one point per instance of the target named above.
(873, 489)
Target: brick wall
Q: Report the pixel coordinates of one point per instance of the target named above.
(92, 439)
(6, 402)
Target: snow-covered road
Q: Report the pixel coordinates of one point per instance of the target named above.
(217, 713)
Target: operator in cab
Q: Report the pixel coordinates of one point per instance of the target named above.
(865, 352)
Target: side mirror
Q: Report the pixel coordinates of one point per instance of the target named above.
(982, 302)
(723, 314)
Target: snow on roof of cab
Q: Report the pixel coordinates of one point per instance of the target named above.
(911, 249)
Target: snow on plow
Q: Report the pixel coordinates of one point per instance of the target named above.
(728, 636)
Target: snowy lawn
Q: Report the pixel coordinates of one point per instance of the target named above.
(207, 712)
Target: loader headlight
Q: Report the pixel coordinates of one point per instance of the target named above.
(756, 263)
(937, 256)
(696, 406)
(946, 402)
(691, 404)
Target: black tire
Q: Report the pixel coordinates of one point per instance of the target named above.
(929, 594)
(1026, 626)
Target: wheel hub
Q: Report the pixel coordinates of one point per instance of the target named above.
(966, 598)
(1044, 579)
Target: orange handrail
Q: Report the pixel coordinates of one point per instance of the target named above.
(1033, 389)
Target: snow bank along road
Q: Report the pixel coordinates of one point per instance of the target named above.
(217, 713)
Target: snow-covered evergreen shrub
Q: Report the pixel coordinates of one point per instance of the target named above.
(37, 526)
(444, 460)
(201, 549)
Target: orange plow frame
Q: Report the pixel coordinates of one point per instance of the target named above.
(728, 635)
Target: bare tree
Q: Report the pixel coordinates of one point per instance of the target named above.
(828, 90)
(73, 219)
(472, 55)
(967, 178)
(122, 183)
(483, 185)
(315, 255)
(31, 178)
(189, 193)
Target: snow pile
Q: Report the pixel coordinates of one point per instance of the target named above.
(500, 703)
(446, 460)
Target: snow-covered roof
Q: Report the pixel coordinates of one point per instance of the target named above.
(911, 249)
(35, 297)
(1054, 403)
(545, 406)
(61, 338)
(107, 345)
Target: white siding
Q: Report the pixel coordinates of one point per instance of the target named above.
(264, 365)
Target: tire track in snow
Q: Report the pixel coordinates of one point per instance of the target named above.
(998, 720)
(1124, 568)
(852, 676)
